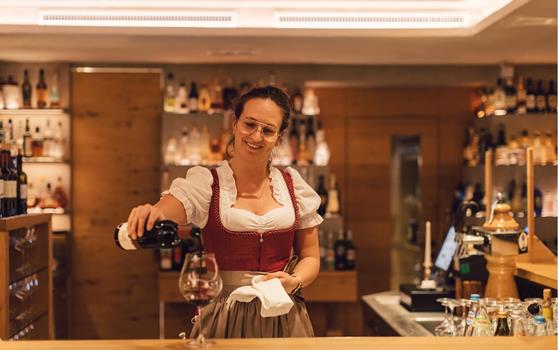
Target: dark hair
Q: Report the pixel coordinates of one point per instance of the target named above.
(277, 95)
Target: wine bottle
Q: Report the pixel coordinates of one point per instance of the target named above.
(229, 94)
(511, 97)
(521, 97)
(340, 253)
(551, 97)
(37, 144)
(322, 192)
(26, 90)
(297, 101)
(531, 103)
(164, 234)
(21, 186)
(350, 251)
(193, 98)
(540, 98)
(170, 96)
(42, 91)
(330, 253)
(181, 102)
(502, 328)
(9, 178)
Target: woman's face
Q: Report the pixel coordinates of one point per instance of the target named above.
(257, 130)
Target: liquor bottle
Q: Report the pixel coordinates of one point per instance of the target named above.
(502, 328)
(204, 145)
(170, 96)
(193, 98)
(524, 143)
(322, 192)
(310, 139)
(294, 140)
(501, 154)
(340, 252)
(540, 98)
(48, 141)
(54, 93)
(521, 97)
(551, 97)
(490, 100)
(59, 142)
(163, 234)
(516, 199)
(181, 102)
(229, 94)
(332, 198)
(182, 156)
(216, 94)
(547, 305)
(9, 177)
(511, 97)
(37, 144)
(171, 152)
(42, 90)
(60, 195)
(11, 139)
(310, 105)
(330, 253)
(11, 91)
(297, 101)
(204, 101)
(322, 154)
(539, 152)
(26, 90)
(513, 151)
(550, 147)
(21, 186)
(500, 98)
(531, 102)
(303, 154)
(481, 109)
(473, 308)
(194, 146)
(482, 326)
(350, 251)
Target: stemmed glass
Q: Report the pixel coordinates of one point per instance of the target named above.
(447, 327)
(465, 304)
(200, 284)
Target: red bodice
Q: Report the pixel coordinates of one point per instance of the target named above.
(248, 251)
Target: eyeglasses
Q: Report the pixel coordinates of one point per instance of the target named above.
(248, 126)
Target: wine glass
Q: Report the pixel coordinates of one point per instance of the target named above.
(200, 284)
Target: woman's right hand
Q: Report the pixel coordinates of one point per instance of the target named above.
(143, 216)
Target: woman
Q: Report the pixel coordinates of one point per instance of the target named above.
(252, 216)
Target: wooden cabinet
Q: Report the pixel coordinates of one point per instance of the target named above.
(26, 277)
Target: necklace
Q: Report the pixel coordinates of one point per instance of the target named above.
(254, 195)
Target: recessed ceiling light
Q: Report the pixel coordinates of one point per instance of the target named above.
(523, 21)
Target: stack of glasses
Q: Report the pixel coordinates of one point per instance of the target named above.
(498, 317)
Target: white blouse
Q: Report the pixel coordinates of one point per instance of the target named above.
(194, 192)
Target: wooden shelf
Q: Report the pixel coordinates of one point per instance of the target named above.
(330, 286)
(44, 160)
(541, 273)
(35, 112)
(21, 221)
(193, 115)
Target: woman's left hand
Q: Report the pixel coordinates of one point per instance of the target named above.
(289, 282)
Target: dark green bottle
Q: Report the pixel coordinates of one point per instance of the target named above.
(502, 329)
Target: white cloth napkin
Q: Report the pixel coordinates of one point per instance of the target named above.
(274, 298)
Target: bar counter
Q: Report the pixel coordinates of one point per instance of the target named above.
(375, 343)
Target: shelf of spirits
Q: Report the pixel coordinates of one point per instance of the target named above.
(45, 160)
(18, 113)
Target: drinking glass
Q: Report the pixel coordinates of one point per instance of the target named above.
(200, 284)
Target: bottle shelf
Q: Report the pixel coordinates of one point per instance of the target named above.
(34, 112)
(57, 211)
(516, 166)
(44, 160)
(194, 115)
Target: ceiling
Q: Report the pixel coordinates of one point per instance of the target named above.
(526, 35)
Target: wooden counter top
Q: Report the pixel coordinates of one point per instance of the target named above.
(375, 343)
(541, 273)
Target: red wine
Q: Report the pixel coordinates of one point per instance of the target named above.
(164, 234)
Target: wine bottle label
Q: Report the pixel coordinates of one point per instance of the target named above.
(10, 189)
(1, 188)
(351, 255)
(540, 102)
(531, 102)
(23, 191)
(123, 239)
(552, 101)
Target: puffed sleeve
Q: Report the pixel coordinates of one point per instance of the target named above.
(194, 192)
(308, 201)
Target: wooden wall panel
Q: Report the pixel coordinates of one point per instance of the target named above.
(359, 123)
(116, 142)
